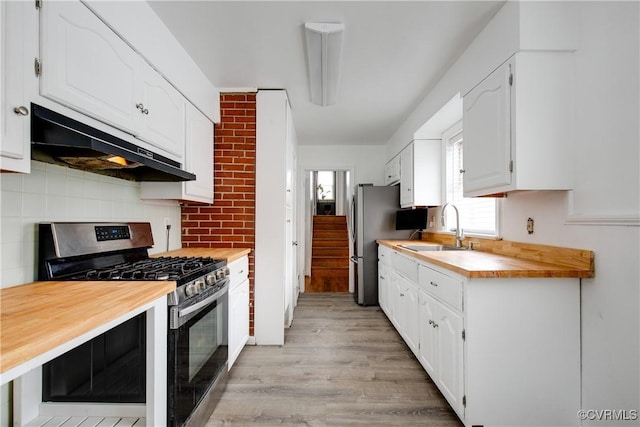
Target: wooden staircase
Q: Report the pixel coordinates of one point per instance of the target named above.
(329, 254)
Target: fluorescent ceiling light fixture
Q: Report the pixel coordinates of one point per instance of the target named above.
(324, 52)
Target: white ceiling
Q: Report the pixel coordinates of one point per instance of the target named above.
(394, 53)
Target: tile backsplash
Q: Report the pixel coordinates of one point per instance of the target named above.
(56, 193)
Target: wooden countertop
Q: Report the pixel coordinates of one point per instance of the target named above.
(231, 254)
(478, 264)
(38, 317)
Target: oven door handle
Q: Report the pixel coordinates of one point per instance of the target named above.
(197, 306)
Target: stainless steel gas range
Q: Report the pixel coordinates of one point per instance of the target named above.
(112, 366)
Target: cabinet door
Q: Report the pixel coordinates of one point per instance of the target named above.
(428, 334)
(160, 112)
(238, 319)
(450, 350)
(392, 171)
(394, 298)
(410, 313)
(199, 156)
(86, 66)
(18, 21)
(406, 176)
(383, 285)
(487, 132)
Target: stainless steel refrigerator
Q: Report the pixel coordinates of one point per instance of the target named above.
(373, 210)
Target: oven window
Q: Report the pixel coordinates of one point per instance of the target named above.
(203, 339)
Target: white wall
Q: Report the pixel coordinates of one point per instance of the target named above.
(366, 161)
(602, 212)
(55, 193)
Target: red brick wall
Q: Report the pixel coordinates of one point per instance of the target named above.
(230, 221)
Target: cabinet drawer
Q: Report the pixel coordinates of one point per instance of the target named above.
(384, 255)
(239, 270)
(405, 266)
(448, 289)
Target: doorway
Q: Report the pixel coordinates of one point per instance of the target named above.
(327, 266)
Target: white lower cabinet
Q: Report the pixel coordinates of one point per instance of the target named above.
(441, 348)
(238, 307)
(498, 349)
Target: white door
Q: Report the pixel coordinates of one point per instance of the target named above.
(86, 66)
(487, 132)
(161, 112)
(450, 350)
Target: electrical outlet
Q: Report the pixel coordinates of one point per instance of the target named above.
(530, 225)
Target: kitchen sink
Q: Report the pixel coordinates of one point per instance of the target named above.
(430, 248)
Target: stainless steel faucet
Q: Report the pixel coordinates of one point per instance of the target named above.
(459, 234)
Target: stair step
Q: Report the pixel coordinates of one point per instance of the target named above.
(329, 272)
(330, 234)
(318, 261)
(330, 226)
(329, 218)
(330, 251)
(334, 243)
(328, 284)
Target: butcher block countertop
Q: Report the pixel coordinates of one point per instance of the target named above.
(480, 264)
(231, 254)
(38, 317)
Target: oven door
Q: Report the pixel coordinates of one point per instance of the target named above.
(198, 351)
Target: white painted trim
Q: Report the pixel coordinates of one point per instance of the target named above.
(251, 340)
(92, 409)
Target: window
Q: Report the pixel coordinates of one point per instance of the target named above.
(477, 215)
(325, 185)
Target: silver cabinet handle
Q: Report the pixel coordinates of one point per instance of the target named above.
(462, 171)
(294, 243)
(435, 325)
(433, 283)
(430, 322)
(401, 294)
(140, 106)
(21, 110)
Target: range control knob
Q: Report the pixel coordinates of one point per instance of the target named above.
(210, 279)
(220, 274)
(191, 289)
(200, 285)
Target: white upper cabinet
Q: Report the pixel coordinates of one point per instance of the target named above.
(487, 128)
(89, 68)
(392, 171)
(19, 47)
(161, 112)
(198, 159)
(420, 173)
(517, 126)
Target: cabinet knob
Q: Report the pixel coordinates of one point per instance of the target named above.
(433, 283)
(430, 322)
(294, 243)
(401, 295)
(462, 171)
(21, 110)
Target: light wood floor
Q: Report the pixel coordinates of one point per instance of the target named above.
(341, 365)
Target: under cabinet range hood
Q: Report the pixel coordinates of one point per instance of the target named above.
(61, 140)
